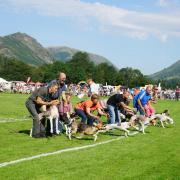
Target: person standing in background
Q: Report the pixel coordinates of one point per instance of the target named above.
(93, 87)
(177, 93)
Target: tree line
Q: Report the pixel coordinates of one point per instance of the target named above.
(77, 69)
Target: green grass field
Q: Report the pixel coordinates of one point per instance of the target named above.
(155, 155)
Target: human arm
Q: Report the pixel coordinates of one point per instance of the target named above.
(64, 97)
(88, 111)
(40, 101)
(140, 105)
(100, 112)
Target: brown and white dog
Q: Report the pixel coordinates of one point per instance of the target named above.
(73, 127)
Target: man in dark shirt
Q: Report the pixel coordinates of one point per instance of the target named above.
(61, 86)
(40, 97)
(115, 105)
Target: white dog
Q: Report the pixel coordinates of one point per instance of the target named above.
(52, 114)
(139, 120)
(163, 118)
(124, 126)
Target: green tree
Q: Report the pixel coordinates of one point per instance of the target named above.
(80, 67)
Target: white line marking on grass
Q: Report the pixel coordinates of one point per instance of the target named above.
(61, 151)
(5, 120)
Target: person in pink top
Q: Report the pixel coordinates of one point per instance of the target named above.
(65, 106)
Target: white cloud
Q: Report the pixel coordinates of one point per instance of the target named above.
(126, 22)
(163, 3)
(172, 5)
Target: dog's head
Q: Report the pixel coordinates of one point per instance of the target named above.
(98, 124)
(153, 122)
(131, 123)
(67, 119)
(170, 120)
(167, 114)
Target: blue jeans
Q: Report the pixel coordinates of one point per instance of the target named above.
(84, 117)
(114, 114)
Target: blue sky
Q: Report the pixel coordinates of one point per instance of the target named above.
(130, 33)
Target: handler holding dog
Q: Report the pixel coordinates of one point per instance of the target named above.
(40, 97)
(84, 110)
(115, 105)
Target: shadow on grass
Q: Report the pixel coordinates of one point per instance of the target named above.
(27, 132)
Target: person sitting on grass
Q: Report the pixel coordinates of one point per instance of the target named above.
(86, 108)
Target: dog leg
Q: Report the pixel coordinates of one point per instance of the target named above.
(80, 137)
(51, 124)
(125, 134)
(57, 130)
(96, 134)
(66, 129)
(30, 133)
(69, 133)
(69, 136)
(162, 124)
(136, 128)
(142, 127)
(95, 137)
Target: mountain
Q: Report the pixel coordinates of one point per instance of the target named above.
(63, 53)
(25, 48)
(169, 73)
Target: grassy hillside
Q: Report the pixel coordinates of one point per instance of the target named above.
(25, 48)
(172, 72)
(63, 53)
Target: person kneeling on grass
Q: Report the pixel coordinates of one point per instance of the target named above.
(85, 110)
(40, 97)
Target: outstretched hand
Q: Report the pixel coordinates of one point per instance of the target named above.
(55, 102)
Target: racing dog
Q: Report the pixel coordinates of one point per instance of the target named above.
(70, 124)
(163, 118)
(124, 126)
(140, 121)
(73, 127)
